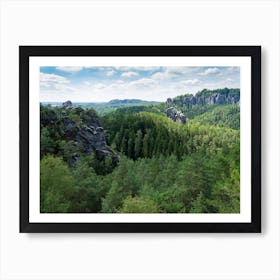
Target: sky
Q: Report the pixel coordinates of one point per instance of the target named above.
(102, 84)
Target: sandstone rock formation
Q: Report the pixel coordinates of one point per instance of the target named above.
(207, 97)
(91, 137)
(67, 105)
(175, 115)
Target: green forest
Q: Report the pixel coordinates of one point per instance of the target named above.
(136, 159)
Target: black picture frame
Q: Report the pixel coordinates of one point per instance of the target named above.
(254, 52)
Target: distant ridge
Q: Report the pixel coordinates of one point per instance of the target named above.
(208, 97)
(129, 101)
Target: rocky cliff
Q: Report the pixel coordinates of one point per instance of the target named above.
(80, 127)
(175, 115)
(90, 137)
(208, 97)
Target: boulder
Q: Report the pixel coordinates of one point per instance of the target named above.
(67, 105)
(169, 100)
(175, 115)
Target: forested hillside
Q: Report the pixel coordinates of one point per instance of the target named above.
(218, 107)
(137, 160)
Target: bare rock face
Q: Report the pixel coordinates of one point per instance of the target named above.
(208, 98)
(175, 115)
(90, 137)
(169, 101)
(221, 99)
(78, 132)
(67, 105)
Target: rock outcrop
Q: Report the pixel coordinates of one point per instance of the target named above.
(79, 130)
(90, 137)
(67, 105)
(207, 97)
(215, 99)
(175, 115)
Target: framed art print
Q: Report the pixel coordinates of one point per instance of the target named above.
(140, 138)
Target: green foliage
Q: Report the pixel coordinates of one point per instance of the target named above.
(226, 115)
(147, 134)
(59, 128)
(223, 116)
(165, 167)
(47, 143)
(138, 148)
(139, 205)
(68, 149)
(56, 185)
(75, 117)
(123, 184)
(197, 183)
(88, 194)
(227, 194)
(199, 205)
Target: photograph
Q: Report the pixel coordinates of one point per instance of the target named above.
(138, 139)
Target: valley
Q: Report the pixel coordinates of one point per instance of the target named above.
(134, 156)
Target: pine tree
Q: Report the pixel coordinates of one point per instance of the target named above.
(138, 144)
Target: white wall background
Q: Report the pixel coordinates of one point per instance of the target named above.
(139, 256)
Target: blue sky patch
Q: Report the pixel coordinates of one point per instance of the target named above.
(100, 84)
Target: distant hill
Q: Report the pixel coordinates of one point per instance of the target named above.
(131, 101)
(103, 108)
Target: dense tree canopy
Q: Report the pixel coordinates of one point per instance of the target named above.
(164, 167)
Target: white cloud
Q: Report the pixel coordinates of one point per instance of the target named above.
(120, 86)
(167, 74)
(129, 74)
(142, 83)
(48, 80)
(137, 68)
(191, 82)
(87, 83)
(122, 68)
(211, 71)
(71, 69)
(147, 68)
(54, 83)
(232, 70)
(159, 75)
(99, 86)
(115, 85)
(110, 73)
(182, 70)
(158, 84)
(174, 72)
(229, 80)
